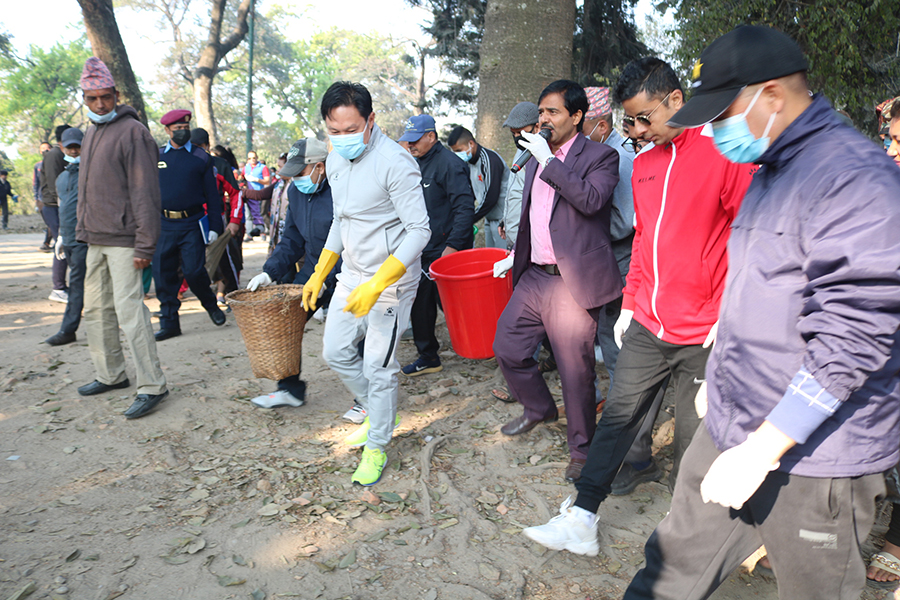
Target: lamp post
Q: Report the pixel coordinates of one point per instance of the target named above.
(250, 20)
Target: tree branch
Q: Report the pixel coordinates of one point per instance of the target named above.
(239, 31)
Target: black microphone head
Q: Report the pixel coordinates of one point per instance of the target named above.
(545, 133)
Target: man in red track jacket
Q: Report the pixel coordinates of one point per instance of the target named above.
(686, 195)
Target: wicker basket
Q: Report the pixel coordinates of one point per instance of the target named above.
(271, 321)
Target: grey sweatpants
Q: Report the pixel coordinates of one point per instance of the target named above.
(812, 529)
(372, 379)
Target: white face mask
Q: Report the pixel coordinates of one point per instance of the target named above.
(101, 119)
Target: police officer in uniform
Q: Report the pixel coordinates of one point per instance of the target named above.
(187, 181)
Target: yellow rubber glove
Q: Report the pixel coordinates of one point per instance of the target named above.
(313, 286)
(363, 297)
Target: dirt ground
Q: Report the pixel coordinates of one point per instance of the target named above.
(212, 498)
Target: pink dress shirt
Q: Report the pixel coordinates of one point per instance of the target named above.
(539, 213)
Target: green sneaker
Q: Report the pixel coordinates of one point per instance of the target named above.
(361, 435)
(370, 467)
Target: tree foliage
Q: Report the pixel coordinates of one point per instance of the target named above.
(851, 44)
(605, 39)
(456, 29)
(40, 91)
(294, 75)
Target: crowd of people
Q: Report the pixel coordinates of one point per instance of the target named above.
(738, 247)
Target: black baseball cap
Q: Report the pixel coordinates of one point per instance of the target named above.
(199, 136)
(746, 55)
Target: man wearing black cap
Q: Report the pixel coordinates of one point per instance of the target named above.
(187, 181)
(802, 393)
(68, 248)
(306, 227)
(451, 206)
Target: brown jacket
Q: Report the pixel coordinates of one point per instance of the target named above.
(118, 190)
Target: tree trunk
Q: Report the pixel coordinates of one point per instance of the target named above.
(208, 63)
(106, 42)
(526, 45)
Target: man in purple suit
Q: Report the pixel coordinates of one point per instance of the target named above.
(563, 270)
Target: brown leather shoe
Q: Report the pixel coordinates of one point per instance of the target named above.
(573, 471)
(523, 424)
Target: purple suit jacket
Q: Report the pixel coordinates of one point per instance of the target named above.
(579, 221)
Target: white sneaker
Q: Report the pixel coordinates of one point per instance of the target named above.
(357, 414)
(276, 399)
(59, 296)
(567, 531)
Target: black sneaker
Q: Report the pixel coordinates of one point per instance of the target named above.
(422, 366)
(629, 478)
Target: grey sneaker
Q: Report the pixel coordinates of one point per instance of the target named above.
(276, 399)
(357, 414)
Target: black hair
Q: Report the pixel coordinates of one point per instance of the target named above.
(59, 131)
(346, 93)
(227, 154)
(459, 135)
(574, 98)
(894, 110)
(650, 75)
(199, 136)
(4, 172)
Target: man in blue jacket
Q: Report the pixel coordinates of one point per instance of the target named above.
(451, 210)
(187, 182)
(802, 395)
(67, 248)
(306, 226)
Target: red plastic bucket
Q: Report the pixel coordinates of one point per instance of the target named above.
(472, 298)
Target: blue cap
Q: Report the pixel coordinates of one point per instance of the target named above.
(416, 127)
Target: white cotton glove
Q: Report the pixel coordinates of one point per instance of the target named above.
(738, 472)
(700, 404)
(213, 236)
(502, 267)
(261, 279)
(621, 325)
(538, 147)
(711, 338)
(58, 249)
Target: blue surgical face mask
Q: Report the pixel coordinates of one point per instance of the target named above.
(70, 159)
(101, 119)
(350, 145)
(305, 184)
(735, 140)
(463, 155)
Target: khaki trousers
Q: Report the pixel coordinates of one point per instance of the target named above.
(114, 297)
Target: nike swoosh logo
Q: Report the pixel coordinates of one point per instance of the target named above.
(699, 381)
(426, 184)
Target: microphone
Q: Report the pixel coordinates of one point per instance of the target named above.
(518, 165)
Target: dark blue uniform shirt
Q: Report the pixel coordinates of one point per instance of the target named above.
(187, 180)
